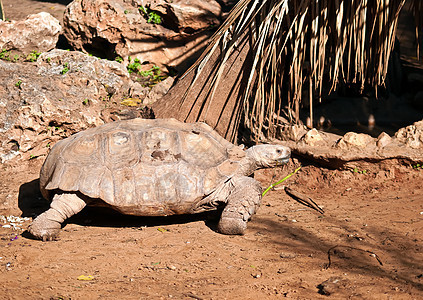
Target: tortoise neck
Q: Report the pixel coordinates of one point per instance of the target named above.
(249, 164)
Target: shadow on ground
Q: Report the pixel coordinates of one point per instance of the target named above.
(32, 203)
(381, 252)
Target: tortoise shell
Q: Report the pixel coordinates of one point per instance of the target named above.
(142, 167)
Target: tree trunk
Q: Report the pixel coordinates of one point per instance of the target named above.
(222, 108)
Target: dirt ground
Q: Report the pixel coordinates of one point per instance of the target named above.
(367, 245)
(18, 10)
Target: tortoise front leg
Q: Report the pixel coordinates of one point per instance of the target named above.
(242, 203)
(47, 225)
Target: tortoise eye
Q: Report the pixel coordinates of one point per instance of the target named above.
(278, 151)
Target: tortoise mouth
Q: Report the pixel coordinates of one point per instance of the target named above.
(283, 161)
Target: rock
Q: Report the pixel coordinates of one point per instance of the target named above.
(119, 27)
(39, 32)
(62, 93)
(292, 133)
(333, 285)
(189, 16)
(158, 91)
(411, 136)
(335, 151)
(352, 139)
(383, 140)
(68, 63)
(312, 138)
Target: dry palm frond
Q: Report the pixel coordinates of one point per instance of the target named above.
(300, 48)
(417, 7)
(1, 11)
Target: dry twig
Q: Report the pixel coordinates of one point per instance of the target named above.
(304, 200)
(358, 249)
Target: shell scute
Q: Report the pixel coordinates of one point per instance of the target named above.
(89, 183)
(82, 149)
(72, 178)
(145, 179)
(106, 188)
(160, 146)
(124, 187)
(120, 150)
(200, 150)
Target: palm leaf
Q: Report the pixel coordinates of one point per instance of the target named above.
(2, 17)
(301, 51)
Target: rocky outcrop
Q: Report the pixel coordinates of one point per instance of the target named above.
(62, 93)
(39, 32)
(165, 33)
(338, 151)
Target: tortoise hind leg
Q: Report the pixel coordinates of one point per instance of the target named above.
(242, 203)
(47, 225)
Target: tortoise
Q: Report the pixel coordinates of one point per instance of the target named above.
(153, 167)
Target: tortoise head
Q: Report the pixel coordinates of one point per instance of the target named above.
(267, 155)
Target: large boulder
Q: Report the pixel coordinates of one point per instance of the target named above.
(127, 29)
(187, 16)
(38, 32)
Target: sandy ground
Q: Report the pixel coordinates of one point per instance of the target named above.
(367, 245)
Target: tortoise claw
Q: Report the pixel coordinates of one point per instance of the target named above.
(41, 233)
(232, 226)
(47, 238)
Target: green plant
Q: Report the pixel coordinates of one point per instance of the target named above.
(356, 170)
(152, 76)
(16, 57)
(119, 59)
(151, 16)
(417, 166)
(280, 181)
(85, 102)
(134, 66)
(155, 74)
(65, 68)
(18, 84)
(143, 10)
(4, 54)
(33, 56)
(154, 71)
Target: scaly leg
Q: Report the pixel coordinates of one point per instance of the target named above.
(242, 203)
(47, 225)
